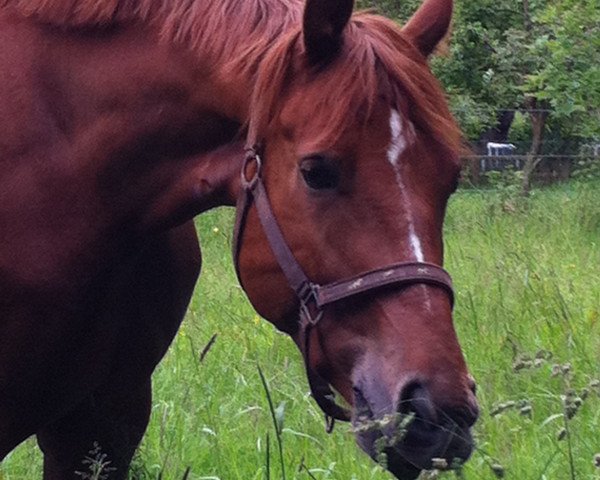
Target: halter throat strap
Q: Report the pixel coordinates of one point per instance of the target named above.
(313, 298)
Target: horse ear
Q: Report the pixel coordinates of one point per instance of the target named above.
(323, 28)
(429, 25)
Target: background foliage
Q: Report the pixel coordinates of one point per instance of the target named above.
(504, 52)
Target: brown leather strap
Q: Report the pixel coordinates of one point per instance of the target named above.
(399, 274)
(319, 387)
(292, 270)
(253, 191)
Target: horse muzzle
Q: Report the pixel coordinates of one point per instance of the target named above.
(417, 431)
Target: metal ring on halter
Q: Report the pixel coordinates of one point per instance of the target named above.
(251, 158)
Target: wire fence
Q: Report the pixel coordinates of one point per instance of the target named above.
(548, 168)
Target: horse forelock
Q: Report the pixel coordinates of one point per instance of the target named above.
(376, 62)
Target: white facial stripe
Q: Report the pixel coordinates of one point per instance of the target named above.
(398, 142)
(398, 145)
(415, 243)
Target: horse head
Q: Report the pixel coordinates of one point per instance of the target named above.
(356, 154)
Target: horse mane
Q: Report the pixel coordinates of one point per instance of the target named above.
(377, 61)
(230, 31)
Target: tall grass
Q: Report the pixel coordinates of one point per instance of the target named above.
(528, 316)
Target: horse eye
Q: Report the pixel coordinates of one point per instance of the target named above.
(320, 173)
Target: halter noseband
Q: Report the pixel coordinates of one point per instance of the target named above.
(313, 297)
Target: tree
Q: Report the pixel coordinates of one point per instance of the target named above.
(568, 38)
(554, 61)
(470, 71)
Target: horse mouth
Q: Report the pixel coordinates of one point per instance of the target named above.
(406, 444)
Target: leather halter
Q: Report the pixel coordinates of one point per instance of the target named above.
(313, 298)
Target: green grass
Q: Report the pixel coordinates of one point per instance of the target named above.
(527, 276)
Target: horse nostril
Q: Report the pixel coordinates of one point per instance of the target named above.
(414, 398)
(417, 399)
(463, 416)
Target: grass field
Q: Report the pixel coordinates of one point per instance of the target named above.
(527, 276)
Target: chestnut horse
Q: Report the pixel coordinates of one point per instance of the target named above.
(121, 119)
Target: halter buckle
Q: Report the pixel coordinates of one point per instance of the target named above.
(309, 307)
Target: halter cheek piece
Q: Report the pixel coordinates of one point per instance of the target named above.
(313, 298)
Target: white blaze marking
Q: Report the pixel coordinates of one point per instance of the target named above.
(398, 145)
(398, 142)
